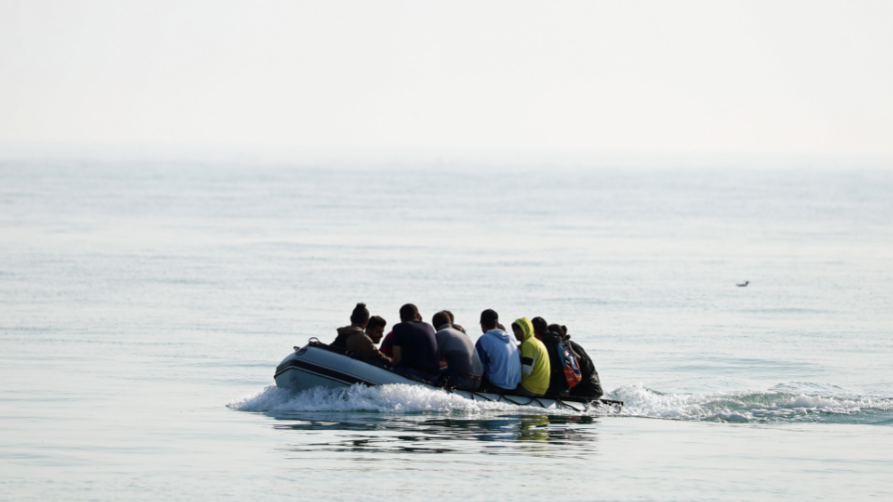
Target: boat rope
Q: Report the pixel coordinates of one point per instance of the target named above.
(481, 395)
(476, 396)
(473, 395)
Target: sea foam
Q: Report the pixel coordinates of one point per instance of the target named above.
(396, 398)
(783, 403)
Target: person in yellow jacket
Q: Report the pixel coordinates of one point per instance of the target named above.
(535, 368)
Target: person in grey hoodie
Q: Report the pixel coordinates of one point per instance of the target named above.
(464, 368)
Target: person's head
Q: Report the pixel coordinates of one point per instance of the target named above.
(360, 315)
(516, 329)
(409, 312)
(375, 328)
(557, 328)
(522, 329)
(450, 314)
(540, 326)
(489, 320)
(440, 319)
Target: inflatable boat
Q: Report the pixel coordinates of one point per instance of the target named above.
(319, 365)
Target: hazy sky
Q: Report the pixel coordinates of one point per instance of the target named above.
(713, 76)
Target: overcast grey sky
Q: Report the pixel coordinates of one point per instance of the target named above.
(711, 76)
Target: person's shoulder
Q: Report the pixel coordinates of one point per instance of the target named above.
(460, 334)
(359, 339)
(489, 337)
(398, 331)
(410, 325)
(404, 327)
(578, 348)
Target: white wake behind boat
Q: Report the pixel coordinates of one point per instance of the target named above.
(318, 365)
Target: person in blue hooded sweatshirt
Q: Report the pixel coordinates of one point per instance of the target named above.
(498, 354)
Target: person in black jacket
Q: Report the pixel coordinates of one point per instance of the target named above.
(557, 381)
(590, 386)
(414, 344)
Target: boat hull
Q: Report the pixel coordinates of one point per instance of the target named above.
(313, 366)
(310, 367)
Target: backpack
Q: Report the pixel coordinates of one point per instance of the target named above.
(569, 364)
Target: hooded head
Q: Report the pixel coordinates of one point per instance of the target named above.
(525, 328)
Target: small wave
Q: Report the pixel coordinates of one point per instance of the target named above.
(782, 403)
(397, 398)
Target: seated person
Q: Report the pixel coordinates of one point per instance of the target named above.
(364, 344)
(358, 319)
(387, 345)
(453, 321)
(455, 347)
(590, 386)
(535, 367)
(558, 385)
(500, 360)
(414, 345)
(375, 328)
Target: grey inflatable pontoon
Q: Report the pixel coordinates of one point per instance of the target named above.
(318, 365)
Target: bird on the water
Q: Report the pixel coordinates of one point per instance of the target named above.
(743, 284)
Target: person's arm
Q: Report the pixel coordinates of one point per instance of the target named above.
(440, 343)
(377, 354)
(528, 358)
(482, 355)
(365, 347)
(587, 367)
(387, 348)
(398, 354)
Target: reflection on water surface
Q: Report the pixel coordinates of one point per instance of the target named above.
(535, 435)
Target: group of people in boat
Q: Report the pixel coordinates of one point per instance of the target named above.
(540, 360)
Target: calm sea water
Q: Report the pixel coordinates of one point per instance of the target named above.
(144, 307)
